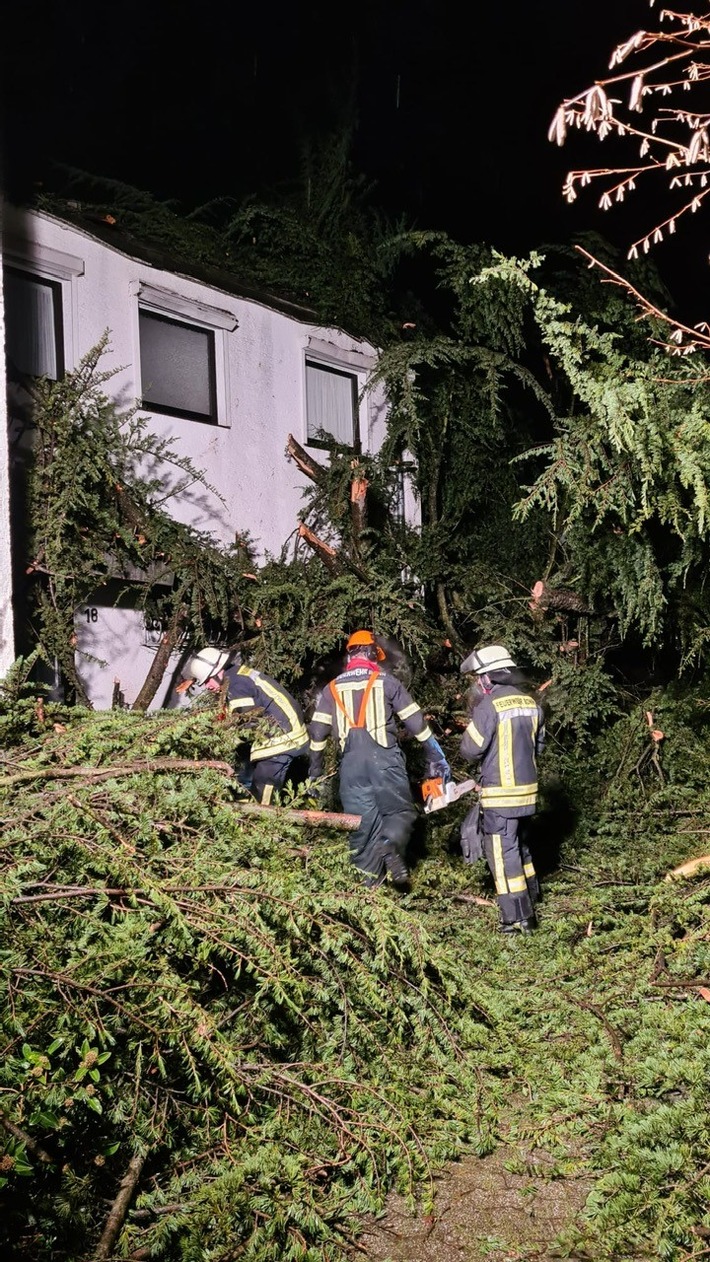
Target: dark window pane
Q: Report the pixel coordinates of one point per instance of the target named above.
(177, 367)
(32, 324)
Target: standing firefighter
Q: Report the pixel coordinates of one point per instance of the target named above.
(272, 755)
(506, 732)
(359, 710)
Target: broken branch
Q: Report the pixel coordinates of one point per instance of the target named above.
(300, 457)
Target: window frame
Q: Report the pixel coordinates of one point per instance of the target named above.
(338, 370)
(56, 289)
(183, 308)
(161, 409)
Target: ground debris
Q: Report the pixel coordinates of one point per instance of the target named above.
(483, 1209)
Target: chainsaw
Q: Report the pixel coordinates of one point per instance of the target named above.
(438, 793)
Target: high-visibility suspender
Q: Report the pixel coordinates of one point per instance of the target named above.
(360, 721)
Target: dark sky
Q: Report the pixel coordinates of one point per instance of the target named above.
(452, 100)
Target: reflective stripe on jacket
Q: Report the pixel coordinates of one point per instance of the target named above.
(248, 689)
(506, 732)
(387, 700)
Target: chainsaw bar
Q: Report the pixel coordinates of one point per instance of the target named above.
(450, 792)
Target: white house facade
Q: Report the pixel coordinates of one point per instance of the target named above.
(226, 377)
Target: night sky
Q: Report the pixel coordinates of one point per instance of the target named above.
(451, 101)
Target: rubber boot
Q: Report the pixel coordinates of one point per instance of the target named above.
(396, 867)
(519, 926)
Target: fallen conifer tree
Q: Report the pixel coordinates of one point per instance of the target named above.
(215, 1043)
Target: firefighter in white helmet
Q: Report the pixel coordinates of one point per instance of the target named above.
(505, 734)
(271, 758)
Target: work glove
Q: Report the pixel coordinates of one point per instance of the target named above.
(318, 793)
(438, 765)
(472, 836)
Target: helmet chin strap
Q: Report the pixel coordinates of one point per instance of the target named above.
(485, 684)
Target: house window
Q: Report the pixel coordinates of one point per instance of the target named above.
(177, 368)
(331, 405)
(33, 325)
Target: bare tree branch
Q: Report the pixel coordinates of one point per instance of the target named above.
(674, 142)
(119, 1209)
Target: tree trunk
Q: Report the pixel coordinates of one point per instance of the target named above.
(561, 599)
(358, 505)
(443, 607)
(159, 664)
(433, 507)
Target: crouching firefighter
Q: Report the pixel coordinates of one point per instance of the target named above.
(506, 733)
(359, 711)
(271, 758)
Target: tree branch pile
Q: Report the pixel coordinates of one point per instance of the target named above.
(202, 1019)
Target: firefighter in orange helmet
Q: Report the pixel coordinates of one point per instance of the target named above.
(360, 710)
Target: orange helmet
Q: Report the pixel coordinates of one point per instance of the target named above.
(365, 639)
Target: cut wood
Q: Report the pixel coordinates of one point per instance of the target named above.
(562, 599)
(477, 899)
(307, 819)
(689, 868)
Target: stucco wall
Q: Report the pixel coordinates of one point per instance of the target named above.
(261, 389)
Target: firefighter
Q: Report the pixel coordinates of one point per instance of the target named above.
(271, 758)
(359, 711)
(505, 734)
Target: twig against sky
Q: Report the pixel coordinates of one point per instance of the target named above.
(673, 140)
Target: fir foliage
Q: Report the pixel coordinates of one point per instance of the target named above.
(279, 1047)
(320, 243)
(98, 489)
(198, 990)
(626, 475)
(211, 995)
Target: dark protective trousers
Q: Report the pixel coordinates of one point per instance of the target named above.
(263, 777)
(374, 785)
(511, 865)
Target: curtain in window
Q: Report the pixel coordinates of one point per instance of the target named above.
(329, 403)
(176, 366)
(30, 328)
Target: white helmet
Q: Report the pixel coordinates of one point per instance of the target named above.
(483, 661)
(203, 665)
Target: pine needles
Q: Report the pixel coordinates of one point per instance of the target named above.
(197, 992)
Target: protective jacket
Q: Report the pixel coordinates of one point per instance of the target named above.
(247, 689)
(359, 710)
(506, 732)
(339, 705)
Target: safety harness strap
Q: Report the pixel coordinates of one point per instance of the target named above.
(360, 721)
